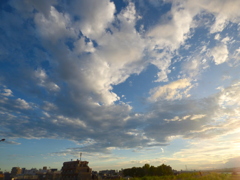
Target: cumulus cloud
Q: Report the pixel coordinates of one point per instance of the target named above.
(174, 32)
(172, 91)
(220, 54)
(206, 118)
(110, 63)
(224, 11)
(81, 46)
(95, 16)
(54, 27)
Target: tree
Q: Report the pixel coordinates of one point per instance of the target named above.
(148, 170)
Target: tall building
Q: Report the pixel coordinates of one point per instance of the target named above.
(76, 170)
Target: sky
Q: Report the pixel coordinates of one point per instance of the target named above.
(124, 82)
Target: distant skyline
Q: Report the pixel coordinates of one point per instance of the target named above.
(125, 82)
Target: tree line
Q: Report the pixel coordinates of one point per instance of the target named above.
(148, 170)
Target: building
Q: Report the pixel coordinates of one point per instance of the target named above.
(76, 170)
(1, 176)
(109, 174)
(32, 171)
(7, 176)
(15, 171)
(53, 175)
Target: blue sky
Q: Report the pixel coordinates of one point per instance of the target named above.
(125, 82)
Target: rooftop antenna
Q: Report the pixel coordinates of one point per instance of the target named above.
(80, 156)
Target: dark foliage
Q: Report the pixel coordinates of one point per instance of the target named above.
(148, 170)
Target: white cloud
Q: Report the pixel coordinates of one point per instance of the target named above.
(172, 91)
(224, 11)
(162, 150)
(49, 106)
(219, 25)
(61, 120)
(197, 116)
(167, 36)
(46, 114)
(95, 16)
(162, 61)
(187, 117)
(225, 40)
(225, 115)
(174, 32)
(234, 58)
(192, 67)
(54, 27)
(22, 104)
(217, 36)
(230, 96)
(81, 46)
(7, 92)
(220, 54)
(42, 77)
(28, 6)
(118, 55)
(11, 142)
(225, 77)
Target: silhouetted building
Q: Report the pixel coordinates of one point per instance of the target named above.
(15, 171)
(1, 176)
(53, 175)
(23, 170)
(53, 170)
(7, 176)
(76, 170)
